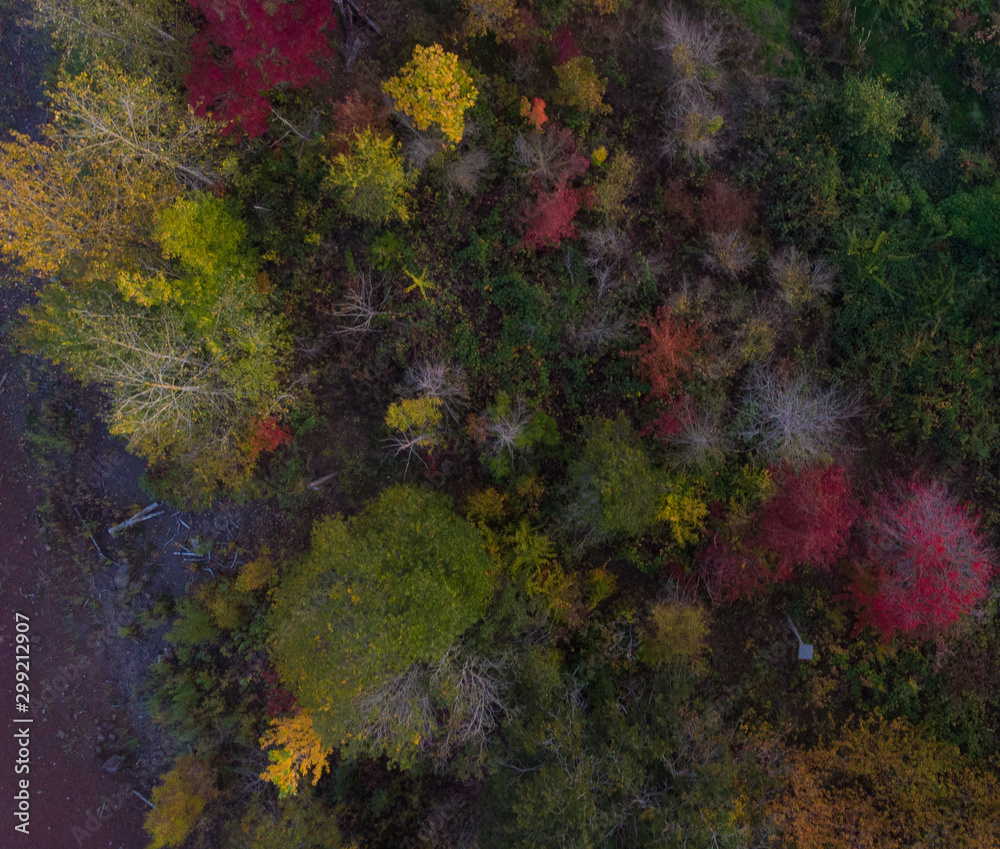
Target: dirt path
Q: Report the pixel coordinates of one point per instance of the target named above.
(76, 796)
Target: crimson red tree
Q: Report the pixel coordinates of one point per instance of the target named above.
(809, 517)
(929, 564)
(550, 219)
(249, 47)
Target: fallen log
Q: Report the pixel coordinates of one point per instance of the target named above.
(143, 515)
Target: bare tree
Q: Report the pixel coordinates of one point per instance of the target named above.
(362, 306)
(791, 419)
(441, 381)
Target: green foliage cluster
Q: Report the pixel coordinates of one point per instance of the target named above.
(396, 586)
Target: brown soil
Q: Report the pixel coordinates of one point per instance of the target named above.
(78, 797)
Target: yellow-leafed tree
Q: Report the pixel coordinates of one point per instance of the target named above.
(179, 801)
(297, 751)
(432, 88)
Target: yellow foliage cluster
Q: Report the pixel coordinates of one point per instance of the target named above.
(580, 87)
(256, 574)
(611, 193)
(414, 415)
(179, 801)
(685, 512)
(298, 751)
(494, 16)
(433, 89)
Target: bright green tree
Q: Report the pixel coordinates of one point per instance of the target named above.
(393, 587)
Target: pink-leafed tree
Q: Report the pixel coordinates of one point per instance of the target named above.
(247, 48)
(928, 563)
(809, 517)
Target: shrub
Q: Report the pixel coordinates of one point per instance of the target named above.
(929, 563)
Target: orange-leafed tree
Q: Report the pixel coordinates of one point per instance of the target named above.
(296, 751)
(881, 785)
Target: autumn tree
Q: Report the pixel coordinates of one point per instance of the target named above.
(665, 359)
(884, 784)
(297, 752)
(191, 360)
(791, 418)
(132, 33)
(248, 48)
(119, 148)
(809, 516)
(179, 801)
(393, 587)
(124, 119)
(929, 564)
(370, 179)
(61, 214)
(432, 88)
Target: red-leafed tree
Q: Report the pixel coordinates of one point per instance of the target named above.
(665, 360)
(249, 47)
(928, 563)
(809, 517)
(550, 218)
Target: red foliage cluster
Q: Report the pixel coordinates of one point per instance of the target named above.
(928, 563)
(550, 219)
(725, 208)
(671, 419)
(267, 435)
(565, 45)
(249, 47)
(808, 519)
(728, 573)
(279, 700)
(350, 116)
(665, 360)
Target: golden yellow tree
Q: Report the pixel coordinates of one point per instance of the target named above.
(63, 213)
(432, 88)
(297, 751)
